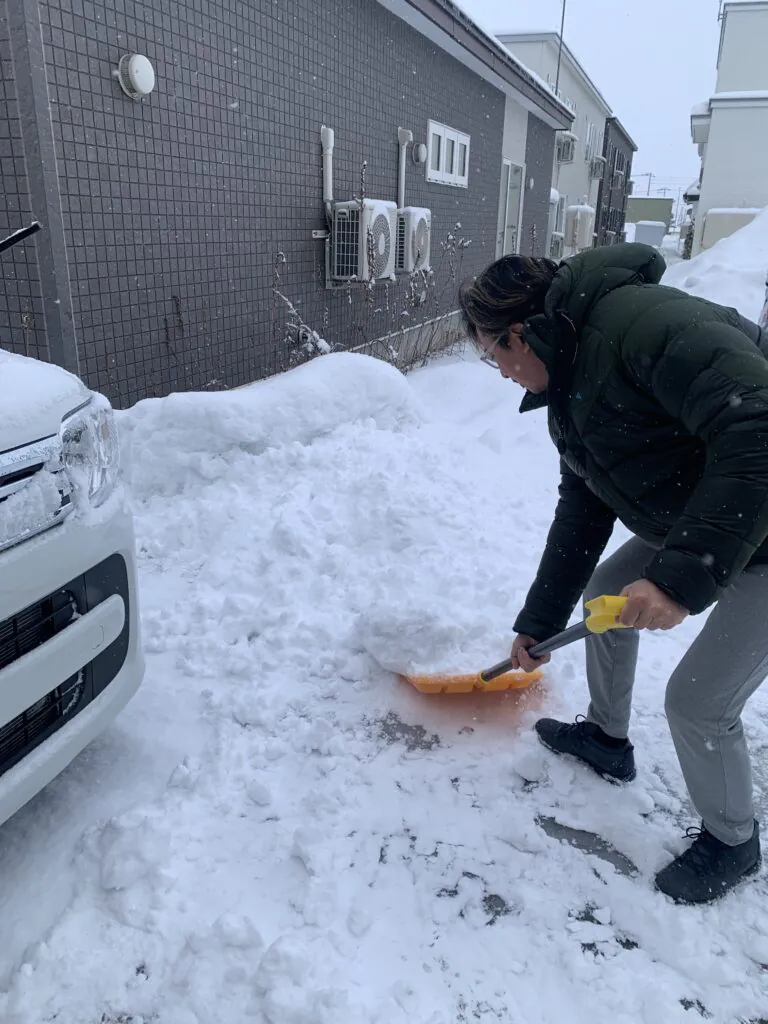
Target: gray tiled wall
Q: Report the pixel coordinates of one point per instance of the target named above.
(539, 157)
(175, 208)
(22, 323)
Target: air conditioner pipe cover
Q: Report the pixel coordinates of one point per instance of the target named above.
(136, 75)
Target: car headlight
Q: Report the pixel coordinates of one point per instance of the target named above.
(90, 451)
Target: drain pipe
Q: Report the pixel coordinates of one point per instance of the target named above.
(326, 138)
(404, 138)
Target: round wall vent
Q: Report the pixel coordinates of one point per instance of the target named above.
(136, 75)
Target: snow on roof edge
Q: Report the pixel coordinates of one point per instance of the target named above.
(747, 94)
(509, 56)
(522, 36)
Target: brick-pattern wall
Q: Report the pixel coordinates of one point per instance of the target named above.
(175, 208)
(539, 157)
(22, 320)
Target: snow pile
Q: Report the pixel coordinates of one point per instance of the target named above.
(330, 847)
(170, 441)
(732, 272)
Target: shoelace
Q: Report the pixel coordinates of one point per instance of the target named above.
(699, 854)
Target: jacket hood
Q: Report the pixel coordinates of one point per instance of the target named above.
(577, 287)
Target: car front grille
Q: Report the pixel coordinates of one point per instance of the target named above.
(24, 732)
(29, 629)
(34, 626)
(21, 469)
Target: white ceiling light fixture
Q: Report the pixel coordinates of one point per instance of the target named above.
(135, 75)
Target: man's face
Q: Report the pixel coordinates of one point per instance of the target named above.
(514, 359)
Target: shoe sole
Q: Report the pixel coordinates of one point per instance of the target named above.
(746, 877)
(615, 780)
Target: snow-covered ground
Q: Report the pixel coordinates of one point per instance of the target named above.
(277, 829)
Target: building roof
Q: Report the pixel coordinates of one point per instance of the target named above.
(623, 131)
(554, 39)
(449, 27)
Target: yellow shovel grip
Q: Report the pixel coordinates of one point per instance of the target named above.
(604, 613)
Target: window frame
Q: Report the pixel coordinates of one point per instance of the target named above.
(443, 175)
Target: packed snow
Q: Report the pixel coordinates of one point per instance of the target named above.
(280, 830)
(30, 508)
(733, 272)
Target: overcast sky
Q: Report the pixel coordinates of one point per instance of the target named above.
(652, 60)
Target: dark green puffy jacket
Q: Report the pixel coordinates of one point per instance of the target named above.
(658, 404)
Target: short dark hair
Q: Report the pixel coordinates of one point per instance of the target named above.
(509, 291)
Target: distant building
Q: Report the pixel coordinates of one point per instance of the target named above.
(653, 208)
(581, 186)
(613, 193)
(731, 128)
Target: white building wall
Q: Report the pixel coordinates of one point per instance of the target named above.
(513, 148)
(735, 156)
(743, 64)
(571, 180)
(515, 132)
(735, 169)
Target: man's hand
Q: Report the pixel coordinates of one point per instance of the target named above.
(522, 659)
(648, 607)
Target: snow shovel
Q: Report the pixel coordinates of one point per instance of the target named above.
(603, 615)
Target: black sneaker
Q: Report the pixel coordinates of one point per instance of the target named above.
(709, 869)
(586, 741)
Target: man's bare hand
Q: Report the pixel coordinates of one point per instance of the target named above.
(648, 607)
(520, 656)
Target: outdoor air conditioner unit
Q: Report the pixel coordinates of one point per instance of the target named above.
(363, 240)
(556, 246)
(414, 238)
(579, 227)
(597, 167)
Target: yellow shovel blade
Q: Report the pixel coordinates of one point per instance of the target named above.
(444, 683)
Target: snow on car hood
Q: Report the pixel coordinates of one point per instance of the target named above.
(35, 398)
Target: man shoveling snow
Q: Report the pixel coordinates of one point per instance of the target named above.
(658, 405)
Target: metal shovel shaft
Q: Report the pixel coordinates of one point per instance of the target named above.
(568, 636)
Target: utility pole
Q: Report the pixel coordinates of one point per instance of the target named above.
(647, 175)
(560, 50)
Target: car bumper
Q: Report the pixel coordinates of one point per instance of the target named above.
(69, 645)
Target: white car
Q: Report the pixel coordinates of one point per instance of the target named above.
(70, 657)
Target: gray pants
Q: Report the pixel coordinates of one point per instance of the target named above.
(706, 693)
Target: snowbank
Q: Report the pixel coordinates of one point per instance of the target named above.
(327, 846)
(732, 272)
(167, 441)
